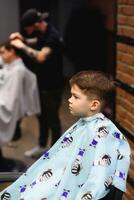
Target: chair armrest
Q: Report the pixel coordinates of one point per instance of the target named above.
(9, 176)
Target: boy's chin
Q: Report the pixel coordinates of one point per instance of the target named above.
(74, 114)
(71, 112)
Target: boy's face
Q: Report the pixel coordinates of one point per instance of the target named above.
(80, 104)
(6, 54)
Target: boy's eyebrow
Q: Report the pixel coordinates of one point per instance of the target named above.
(72, 93)
(75, 94)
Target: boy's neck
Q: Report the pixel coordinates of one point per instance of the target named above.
(93, 112)
(14, 58)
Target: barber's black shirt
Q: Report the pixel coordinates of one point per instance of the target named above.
(49, 73)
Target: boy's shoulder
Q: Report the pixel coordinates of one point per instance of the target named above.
(107, 128)
(103, 123)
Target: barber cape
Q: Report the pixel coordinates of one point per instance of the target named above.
(83, 164)
(18, 97)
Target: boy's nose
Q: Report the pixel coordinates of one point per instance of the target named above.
(69, 100)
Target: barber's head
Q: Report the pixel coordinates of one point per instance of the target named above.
(32, 21)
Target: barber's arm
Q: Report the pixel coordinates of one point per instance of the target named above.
(38, 55)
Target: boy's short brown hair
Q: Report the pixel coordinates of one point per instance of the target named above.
(8, 46)
(95, 84)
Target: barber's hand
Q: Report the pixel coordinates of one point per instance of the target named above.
(17, 43)
(16, 35)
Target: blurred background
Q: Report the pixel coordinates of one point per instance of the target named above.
(97, 34)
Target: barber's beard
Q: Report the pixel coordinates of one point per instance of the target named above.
(32, 39)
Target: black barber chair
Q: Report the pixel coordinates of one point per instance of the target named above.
(114, 194)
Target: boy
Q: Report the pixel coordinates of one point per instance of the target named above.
(90, 158)
(18, 92)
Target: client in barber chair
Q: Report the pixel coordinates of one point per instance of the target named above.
(18, 96)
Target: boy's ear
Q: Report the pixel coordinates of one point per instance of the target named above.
(94, 105)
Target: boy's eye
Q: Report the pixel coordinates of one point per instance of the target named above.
(76, 97)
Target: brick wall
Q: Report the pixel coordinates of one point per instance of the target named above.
(125, 18)
(125, 80)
